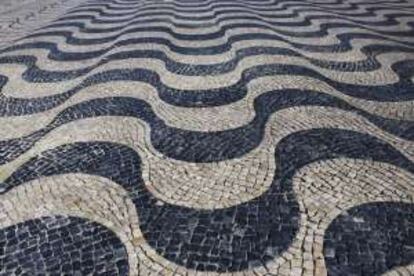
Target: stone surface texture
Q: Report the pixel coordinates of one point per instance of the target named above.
(207, 137)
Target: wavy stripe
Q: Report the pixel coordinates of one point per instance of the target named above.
(217, 41)
(209, 4)
(364, 182)
(124, 135)
(320, 30)
(196, 5)
(233, 17)
(208, 20)
(63, 60)
(173, 223)
(98, 14)
(159, 170)
(218, 146)
(58, 71)
(71, 195)
(356, 10)
(401, 90)
(213, 47)
(212, 119)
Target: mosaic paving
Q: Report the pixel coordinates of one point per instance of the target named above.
(215, 137)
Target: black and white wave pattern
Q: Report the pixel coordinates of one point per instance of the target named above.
(212, 136)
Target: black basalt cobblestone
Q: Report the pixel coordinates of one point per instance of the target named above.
(370, 239)
(61, 246)
(314, 178)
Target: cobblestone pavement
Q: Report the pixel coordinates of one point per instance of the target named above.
(207, 137)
